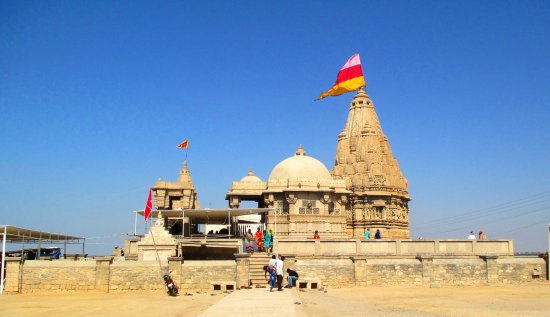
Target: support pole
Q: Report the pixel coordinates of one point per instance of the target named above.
(39, 247)
(3, 259)
(83, 245)
(548, 255)
(21, 262)
(183, 223)
(275, 230)
(135, 223)
(229, 222)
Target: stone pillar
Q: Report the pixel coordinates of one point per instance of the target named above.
(13, 273)
(243, 270)
(102, 273)
(544, 256)
(492, 268)
(174, 269)
(427, 268)
(360, 269)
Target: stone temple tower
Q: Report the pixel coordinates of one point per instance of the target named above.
(379, 199)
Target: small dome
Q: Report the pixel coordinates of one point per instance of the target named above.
(251, 178)
(300, 166)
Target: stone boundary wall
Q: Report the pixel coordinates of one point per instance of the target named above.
(106, 275)
(397, 247)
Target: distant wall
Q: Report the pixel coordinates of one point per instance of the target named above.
(396, 247)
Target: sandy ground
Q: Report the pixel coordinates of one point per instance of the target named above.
(522, 300)
(518, 300)
(119, 305)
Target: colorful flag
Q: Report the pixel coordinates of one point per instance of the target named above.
(183, 145)
(148, 206)
(350, 78)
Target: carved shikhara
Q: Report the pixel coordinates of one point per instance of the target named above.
(364, 159)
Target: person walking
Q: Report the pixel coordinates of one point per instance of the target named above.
(378, 235)
(316, 235)
(272, 271)
(267, 242)
(280, 266)
(367, 234)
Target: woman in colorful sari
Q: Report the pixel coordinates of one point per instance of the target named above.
(248, 243)
(267, 242)
(259, 239)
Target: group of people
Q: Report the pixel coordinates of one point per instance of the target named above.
(263, 241)
(275, 269)
(377, 235)
(481, 236)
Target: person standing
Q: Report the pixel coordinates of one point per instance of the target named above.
(280, 266)
(272, 243)
(248, 237)
(378, 235)
(259, 239)
(316, 235)
(292, 277)
(482, 235)
(367, 234)
(267, 242)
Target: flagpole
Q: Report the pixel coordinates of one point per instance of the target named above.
(157, 251)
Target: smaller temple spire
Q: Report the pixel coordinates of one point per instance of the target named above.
(251, 172)
(300, 151)
(185, 174)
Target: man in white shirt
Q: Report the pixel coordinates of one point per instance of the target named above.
(273, 261)
(280, 271)
(472, 236)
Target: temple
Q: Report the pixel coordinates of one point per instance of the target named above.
(364, 190)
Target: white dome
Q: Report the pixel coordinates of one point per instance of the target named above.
(300, 166)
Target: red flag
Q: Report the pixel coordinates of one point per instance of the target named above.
(183, 145)
(148, 206)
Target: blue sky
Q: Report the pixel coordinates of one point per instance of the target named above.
(94, 97)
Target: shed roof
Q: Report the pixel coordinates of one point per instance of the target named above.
(18, 234)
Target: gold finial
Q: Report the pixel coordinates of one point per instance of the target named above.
(300, 151)
(361, 93)
(251, 172)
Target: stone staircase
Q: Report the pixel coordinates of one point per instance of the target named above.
(257, 262)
